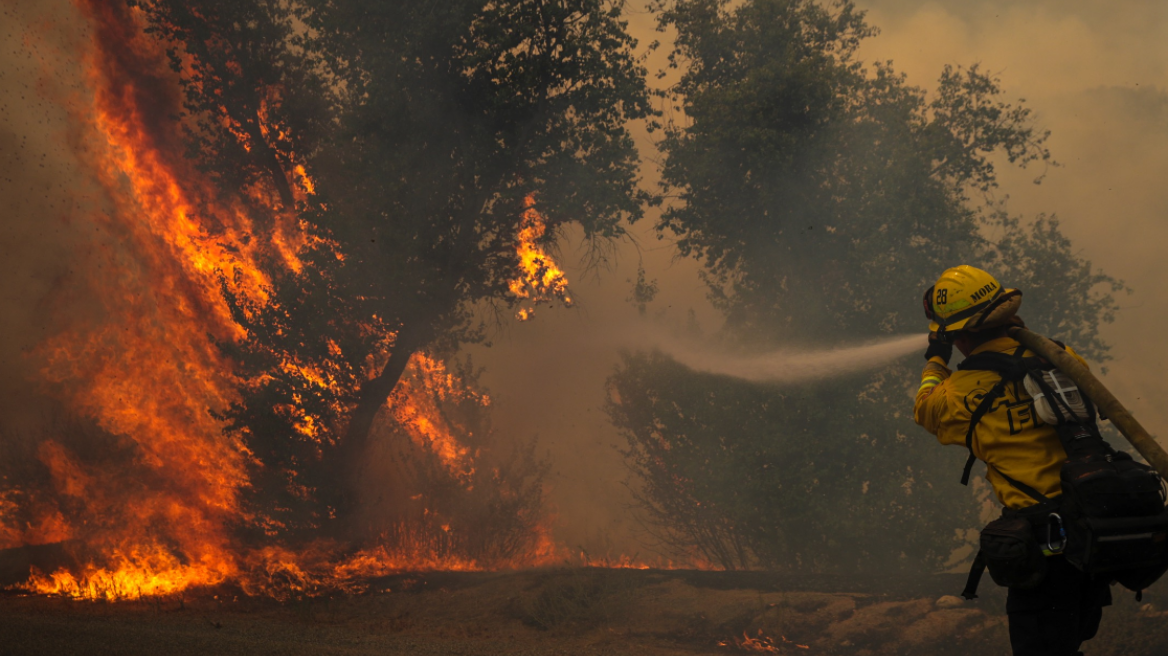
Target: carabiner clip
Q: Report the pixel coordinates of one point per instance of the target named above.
(1052, 519)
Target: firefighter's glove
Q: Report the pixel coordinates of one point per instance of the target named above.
(938, 348)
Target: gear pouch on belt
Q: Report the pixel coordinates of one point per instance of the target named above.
(1130, 549)
(1012, 554)
(1118, 524)
(1111, 486)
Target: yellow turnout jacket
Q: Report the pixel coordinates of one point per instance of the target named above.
(1010, 437)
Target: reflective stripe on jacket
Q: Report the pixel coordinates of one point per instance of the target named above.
(1010, 436)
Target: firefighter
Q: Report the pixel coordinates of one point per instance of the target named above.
(971, 311)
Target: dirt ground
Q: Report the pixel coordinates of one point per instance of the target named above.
(564, 612)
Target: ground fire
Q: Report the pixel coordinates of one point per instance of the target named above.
(762, 644)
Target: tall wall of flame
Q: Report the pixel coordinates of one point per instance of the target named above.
(149, 370)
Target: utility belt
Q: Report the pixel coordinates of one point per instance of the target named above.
(1014, 548)
(1110, 522)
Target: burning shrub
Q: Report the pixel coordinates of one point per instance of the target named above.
(438, 469)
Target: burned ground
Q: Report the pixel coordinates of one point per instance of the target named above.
(562, 611)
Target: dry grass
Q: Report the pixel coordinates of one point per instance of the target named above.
(576, 599)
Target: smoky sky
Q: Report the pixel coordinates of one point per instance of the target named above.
(1095, 74)
(44, 247)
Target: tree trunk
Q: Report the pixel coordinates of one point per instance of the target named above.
(267, 157)
(374, 392)
(351, 453)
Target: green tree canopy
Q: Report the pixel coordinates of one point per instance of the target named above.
(822, 195)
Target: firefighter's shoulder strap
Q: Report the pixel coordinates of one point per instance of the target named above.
(1011, 368)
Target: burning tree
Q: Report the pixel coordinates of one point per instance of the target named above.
(303, 207)
(823, 197)
(427, 130)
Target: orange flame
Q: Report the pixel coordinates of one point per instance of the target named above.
(133, 575)
(762, 644)
(47, 526)
(414, 404)
(151, 369)
(540, 279)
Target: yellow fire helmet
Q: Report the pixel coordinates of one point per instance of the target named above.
(967, 298)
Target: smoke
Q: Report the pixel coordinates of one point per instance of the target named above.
(792, 366)
(43, 255)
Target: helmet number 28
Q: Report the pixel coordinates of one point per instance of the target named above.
(942, 296)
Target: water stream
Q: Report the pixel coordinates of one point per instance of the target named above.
(789, 365)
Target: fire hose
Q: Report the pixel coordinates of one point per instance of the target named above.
(1103, 399)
